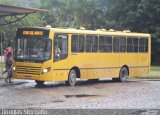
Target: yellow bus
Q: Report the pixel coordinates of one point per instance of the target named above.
(54, 54)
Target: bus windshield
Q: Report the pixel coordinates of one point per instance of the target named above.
(33, 50)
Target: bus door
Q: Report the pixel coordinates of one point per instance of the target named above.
(60, 55)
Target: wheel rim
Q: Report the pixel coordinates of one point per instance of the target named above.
(124, 74)
(72, 77)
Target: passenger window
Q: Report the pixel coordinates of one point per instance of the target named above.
(116, 44)
(135, 43)
(60, 47)
(77, 43)
(105, 44)
(122, 44)
(143, 45)
(132, 45)
(91, 43)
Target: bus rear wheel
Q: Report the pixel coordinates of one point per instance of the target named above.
(72, 78)
(39, 82)
(123, 74)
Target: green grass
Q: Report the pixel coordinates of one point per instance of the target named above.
(2, 65)
(155, 68)
(154, 73)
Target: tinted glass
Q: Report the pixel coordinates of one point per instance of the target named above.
(116, 44)
(60, 47)
(105, 44)
(91, 43)
(143, 45)
(77, 43)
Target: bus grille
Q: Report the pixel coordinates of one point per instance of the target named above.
(28, 70)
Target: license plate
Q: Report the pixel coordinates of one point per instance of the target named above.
(27, 77)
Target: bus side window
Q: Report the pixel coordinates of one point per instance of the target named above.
(105, 44)
(143, 45)
(135, 42)
(60, 47)
(132, 45)
(116, 47)
(122, 44)
(91, 43)
(77, 43)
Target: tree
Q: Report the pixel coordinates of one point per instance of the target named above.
(31, 20)
(138, 16)
(9, 30)
(74, 13)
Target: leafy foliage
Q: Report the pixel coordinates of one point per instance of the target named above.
(135, 15)
(9, 30)
(138, 16)
(74, 13)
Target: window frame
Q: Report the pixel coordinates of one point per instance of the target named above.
(78, 43)
(56, 34)
(116, 37)
(133, 45)
(95, 37)
(105, 44)
(122, 45)
(144, 46)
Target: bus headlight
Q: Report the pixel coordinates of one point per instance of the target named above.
(46, 70)
(14, 68)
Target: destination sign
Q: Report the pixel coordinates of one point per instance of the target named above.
(34, 33)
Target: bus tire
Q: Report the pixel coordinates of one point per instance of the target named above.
(39, 82)
(72, 78)
(123, 74)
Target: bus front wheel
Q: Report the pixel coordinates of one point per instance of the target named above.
(123, 74)
(71, 78)
(39, 82)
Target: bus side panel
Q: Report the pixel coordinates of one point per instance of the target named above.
(86, 62)
(76, 60)
(108, 64)
(60, 70)
(130, 60)
(144, 60)
(90, 61)
(143, 63)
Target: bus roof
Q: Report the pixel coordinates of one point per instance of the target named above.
(93, 32)
(99, 32)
